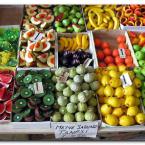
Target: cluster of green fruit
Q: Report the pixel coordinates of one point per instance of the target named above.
(138, 42)
(8, 46)
(140, 73)
(76, 97)
(120, 104)
(68, 19)
(74, 89)
(140, 54)
(34, 97)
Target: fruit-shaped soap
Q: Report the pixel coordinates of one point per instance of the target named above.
(108, 91)
(111, 120)
(126, 120)
(34, 96)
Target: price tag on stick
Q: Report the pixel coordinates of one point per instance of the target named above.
(121, 53)
(38, 88)
(87, 62)
(63, 77)
(37, 36)
(77, 129)
(126, 81)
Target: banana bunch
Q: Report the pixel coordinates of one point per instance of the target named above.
(101, 17)
(79, 42)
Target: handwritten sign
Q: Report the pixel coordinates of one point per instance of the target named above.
(77, 129)
(126, 81)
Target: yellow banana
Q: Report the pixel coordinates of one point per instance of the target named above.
(93, 14)
(89, 26)
(85, 42)
(98, 10)
(99, 6)
(91, 20)
(110, 25)
(92, 7)
(70, 41)
(74, 47)
(116, 22)
(99, 16)
(110, 11)
(119, 8)
(65, 41)
(79, 40)
(61, 45)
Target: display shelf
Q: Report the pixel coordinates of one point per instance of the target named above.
(26, 128)
(43, 128)
(46, 127)
(120, 129)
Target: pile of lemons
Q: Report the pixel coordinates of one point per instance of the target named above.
(119, 103)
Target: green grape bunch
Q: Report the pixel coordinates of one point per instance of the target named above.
(11, 34)
(8, 39)
(8, 46)
(5, 46)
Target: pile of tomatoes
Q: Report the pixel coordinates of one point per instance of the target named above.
(110, 56)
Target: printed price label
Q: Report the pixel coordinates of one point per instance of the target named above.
(121, 53)
(77, 129)
(37, 36)
(87, 62)
(126, 81)
(38, 88)
(63, 77)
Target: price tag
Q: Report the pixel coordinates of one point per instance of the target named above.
(87, 62)
(37, 36)
(77, 129)
(126, 81)
(63, 77)
(38, 88)
(121, 53)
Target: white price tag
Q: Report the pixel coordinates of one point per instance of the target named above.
(126, 81)
(37, 36)
(38, 88)
(87, 62)
(121, 53)
(77, 129)
(63, 77)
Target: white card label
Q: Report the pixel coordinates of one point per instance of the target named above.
(63, 77)
(121, 53)
(37, 36)
(77, 129)
(87, 62)
(38, 88)
(126, 81)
